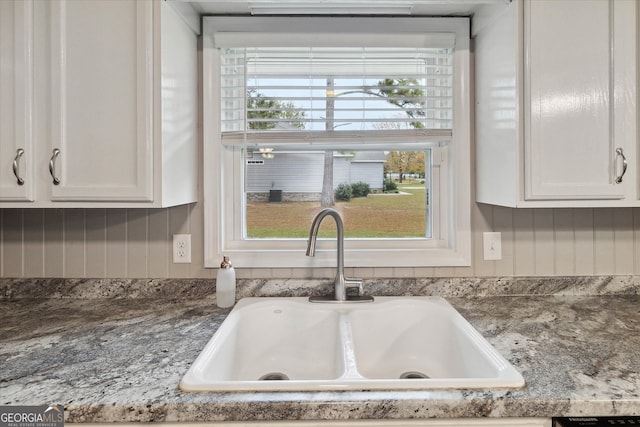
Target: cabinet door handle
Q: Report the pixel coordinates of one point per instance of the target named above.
(16, 166)
(52, 166)
(620, 154)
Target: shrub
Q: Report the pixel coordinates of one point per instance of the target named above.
(390, 186)
(360, 189)
(343, 192)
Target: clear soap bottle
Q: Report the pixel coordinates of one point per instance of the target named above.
(226, 284)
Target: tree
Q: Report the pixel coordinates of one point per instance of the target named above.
(327, 197)
(262, 107)
(404, 162)
(404, 93)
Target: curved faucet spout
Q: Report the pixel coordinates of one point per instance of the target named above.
(315, 227)
(341, 283)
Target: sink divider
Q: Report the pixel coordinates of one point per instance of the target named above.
(348, 350)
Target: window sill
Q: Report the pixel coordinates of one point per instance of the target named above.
(295, 257)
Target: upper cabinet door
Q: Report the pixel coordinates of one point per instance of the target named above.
(101, 146)
(579, 65)
(16, 97)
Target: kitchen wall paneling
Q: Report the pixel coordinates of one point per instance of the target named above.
(136, 243)
(33, 246)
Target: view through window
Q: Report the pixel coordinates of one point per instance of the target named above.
(380, 194)
(356, 129)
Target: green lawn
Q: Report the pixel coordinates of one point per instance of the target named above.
(384, 215)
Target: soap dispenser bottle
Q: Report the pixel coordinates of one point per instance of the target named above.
(226, 284)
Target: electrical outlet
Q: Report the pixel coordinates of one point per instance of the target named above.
(492, 244)
(181, 248)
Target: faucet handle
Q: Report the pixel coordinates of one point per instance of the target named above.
(354, 282)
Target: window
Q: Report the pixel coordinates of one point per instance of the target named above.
(305, 111)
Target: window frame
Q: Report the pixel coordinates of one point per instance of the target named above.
(223, 168)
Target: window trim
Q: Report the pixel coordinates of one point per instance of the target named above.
(219, 164)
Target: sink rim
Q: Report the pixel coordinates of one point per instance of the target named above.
(508, 376)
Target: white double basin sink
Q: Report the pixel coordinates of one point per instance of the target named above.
(392, 343)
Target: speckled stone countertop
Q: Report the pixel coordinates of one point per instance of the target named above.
(114, 351)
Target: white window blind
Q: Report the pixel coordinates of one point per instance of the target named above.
(353, 93)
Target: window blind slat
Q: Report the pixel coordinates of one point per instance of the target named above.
(379, 137)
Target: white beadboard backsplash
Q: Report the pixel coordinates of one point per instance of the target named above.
(136, 243)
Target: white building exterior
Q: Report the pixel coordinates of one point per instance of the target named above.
(299, 174)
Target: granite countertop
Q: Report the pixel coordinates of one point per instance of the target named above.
(116, 350)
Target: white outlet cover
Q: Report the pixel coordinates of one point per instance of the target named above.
(492, 246)
(181, 248)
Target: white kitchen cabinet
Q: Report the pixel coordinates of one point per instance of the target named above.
(16, 97)
(102, 100)
(556, 103)
(114, 106)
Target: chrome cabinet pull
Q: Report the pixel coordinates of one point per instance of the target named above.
(16, 166)
(620, 154)
(52, 166)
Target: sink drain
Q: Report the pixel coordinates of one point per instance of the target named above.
(274, 376)
(412, 375)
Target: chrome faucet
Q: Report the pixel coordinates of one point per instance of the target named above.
(341, 283)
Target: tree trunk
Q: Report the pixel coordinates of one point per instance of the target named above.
(327, 197)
